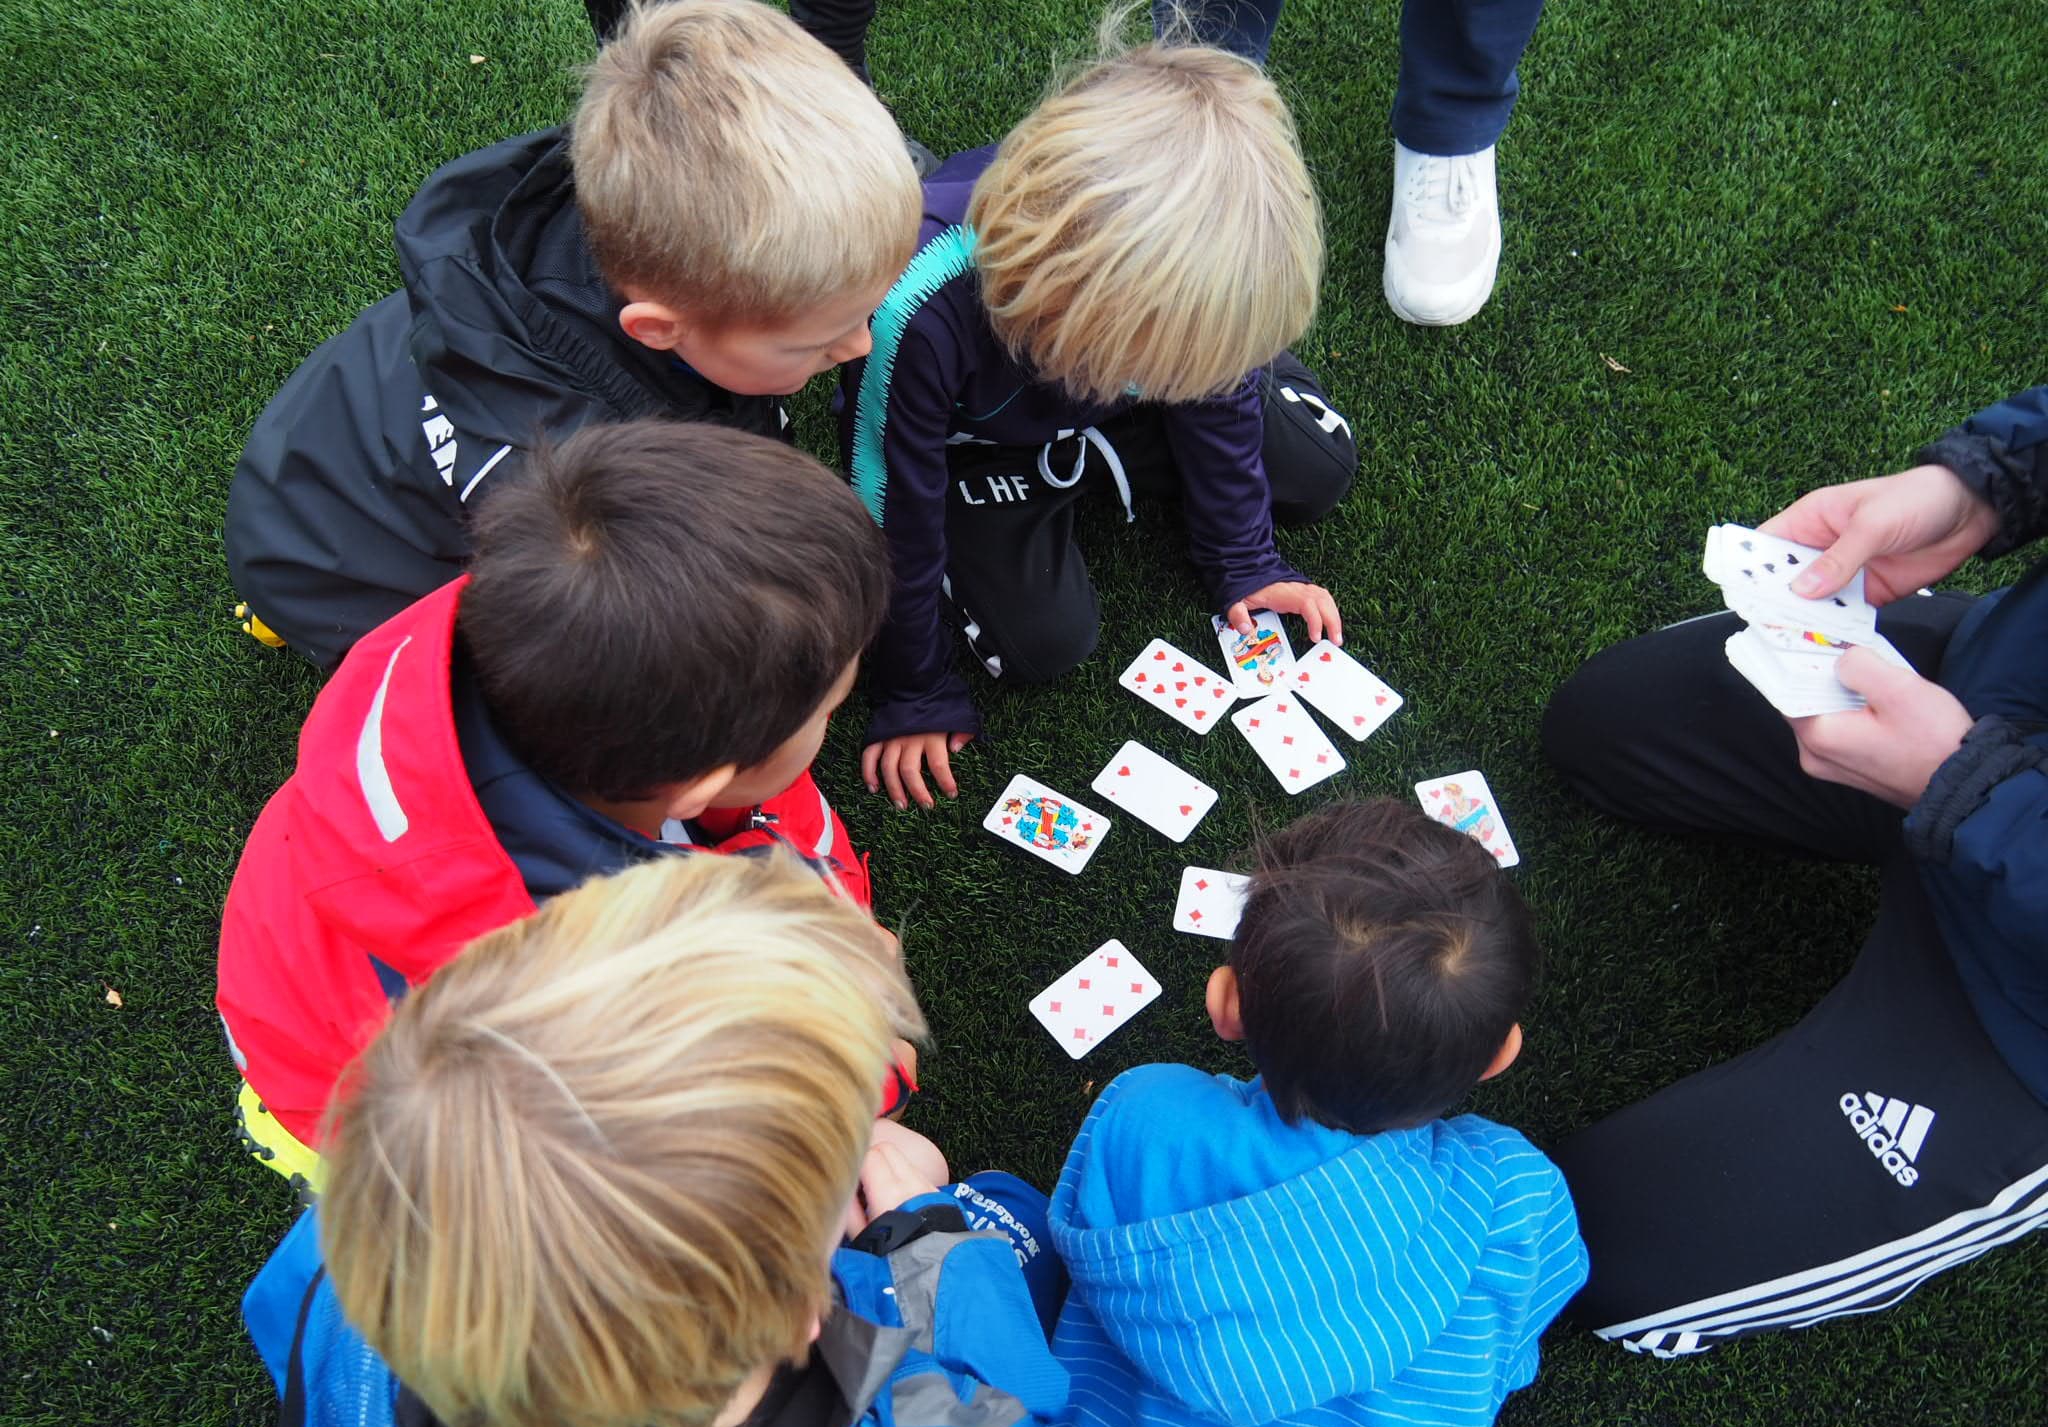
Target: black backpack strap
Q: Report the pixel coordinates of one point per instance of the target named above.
(291, 1408)
(411, 1412)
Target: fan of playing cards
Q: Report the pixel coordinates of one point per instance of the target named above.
(1110, 985)
(1792, 644)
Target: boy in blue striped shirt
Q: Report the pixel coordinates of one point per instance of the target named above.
(1320, 1244)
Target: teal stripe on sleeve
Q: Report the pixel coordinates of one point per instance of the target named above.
(949, 254)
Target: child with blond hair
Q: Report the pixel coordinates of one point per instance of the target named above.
(597, 1171)
(1103, 299)
(713, 231)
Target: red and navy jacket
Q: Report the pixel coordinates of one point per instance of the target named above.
(407, 830)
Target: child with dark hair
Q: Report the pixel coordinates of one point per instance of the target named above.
(1321, 1244)
(655, 631)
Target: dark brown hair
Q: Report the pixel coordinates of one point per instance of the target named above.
(1381, 960)
(654, 599)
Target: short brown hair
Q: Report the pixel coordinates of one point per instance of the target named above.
(728, 163)
(655, 599)
(1381, 961)
(589, 1172)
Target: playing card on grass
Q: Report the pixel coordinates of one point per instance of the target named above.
(1108, 988)
(1046, 824)
(1283, 733)
(1346, 693)
(1257, 661)
(1179, 685)
(1210, 902)
(1463, 801)
(1155, 791)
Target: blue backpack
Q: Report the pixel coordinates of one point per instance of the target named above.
(326, 1375)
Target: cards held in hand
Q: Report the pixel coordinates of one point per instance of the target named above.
(1792, 644)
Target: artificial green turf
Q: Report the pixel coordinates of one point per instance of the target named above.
(1733, 201)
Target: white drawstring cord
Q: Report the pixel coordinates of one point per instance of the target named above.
(1090, 436)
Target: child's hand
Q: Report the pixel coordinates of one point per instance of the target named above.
(898, 1168)
(1316, 606)
(898, 765)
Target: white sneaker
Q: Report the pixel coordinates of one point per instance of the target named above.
(1443, 241)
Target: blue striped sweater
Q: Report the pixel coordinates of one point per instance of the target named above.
(1228, 1267)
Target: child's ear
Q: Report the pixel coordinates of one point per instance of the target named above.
(688, 799)
(653, 324)
(1223, 1004)
(1510, 1047)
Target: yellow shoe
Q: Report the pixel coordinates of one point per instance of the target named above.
(256, 629)
(277, 1147)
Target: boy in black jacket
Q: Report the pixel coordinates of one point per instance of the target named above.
(672, 257)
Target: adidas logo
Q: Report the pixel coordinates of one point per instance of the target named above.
(1892, 1130)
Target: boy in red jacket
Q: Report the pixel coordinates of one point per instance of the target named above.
(655, 630)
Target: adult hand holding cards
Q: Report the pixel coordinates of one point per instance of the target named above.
(1792, 644)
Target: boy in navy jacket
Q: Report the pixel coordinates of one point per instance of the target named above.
(1100, 302)
(1320, 1245)
(675, 255)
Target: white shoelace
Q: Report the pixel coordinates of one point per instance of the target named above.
(1443, 190)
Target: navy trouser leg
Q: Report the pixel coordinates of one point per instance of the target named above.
(1241, 26)
(1458, 61)
(839, 26)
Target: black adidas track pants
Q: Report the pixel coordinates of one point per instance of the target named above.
(1878, 1142)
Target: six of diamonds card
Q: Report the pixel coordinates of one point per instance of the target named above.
(1287, 737)
(1092, 999)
